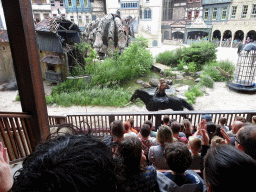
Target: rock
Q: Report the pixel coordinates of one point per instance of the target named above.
(197, 80)
(139, 81)
(199, 73)
(179, 77)
(146, 85)
(10, 86)
(169, 81)
(154, 82)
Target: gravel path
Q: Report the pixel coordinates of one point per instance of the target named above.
(218, 98)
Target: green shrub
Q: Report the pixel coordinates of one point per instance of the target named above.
(207, 81)
(168, 58)
(192, 93)
(227, 66)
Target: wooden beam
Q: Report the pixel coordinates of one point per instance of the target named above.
(24, 48)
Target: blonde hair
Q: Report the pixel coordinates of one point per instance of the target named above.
(164, 135)
(216, 140)
(195, 143)
(187, 126)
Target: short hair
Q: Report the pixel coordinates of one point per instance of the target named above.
(178, 157)
(117, 128)
(164, 135)
(246, 137)
(166, 119)
(175, 126)
(195, 143)
(224, 165)
(240, 118)
(131, 120)
(67, 163)
(223, 120)
(149, 122)
(145, 130)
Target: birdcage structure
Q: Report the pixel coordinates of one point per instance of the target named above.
(244, 75)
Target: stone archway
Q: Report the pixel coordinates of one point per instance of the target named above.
(178, 35)
(251, 36)
(216, 35)
(226, 38)
(238, 38)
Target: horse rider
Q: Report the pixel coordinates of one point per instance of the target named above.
(160, 91)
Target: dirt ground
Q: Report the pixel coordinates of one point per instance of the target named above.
(218, 98)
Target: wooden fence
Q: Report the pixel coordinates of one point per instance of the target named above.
(99, 123)
(14, 128)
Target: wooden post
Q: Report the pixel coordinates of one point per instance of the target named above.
(24, 48)
(158, 121)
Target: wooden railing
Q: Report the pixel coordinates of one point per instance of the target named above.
(14, 128)
(99, 123)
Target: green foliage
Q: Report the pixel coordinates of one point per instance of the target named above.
(135, 61)
(192, 93)
(168, 58)
(199, 53)
(169, 73)
(227, 66)
(207, 81)
(141, 41)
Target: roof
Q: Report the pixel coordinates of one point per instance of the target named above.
(4, 36)
(53, 59)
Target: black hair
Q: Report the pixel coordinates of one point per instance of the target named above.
(117, 128)
(149, 122)
(145, 130)
(176, 127)
(228, 167)
(67, 163)
(178, 157)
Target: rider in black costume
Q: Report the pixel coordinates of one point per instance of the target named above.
(160, 91)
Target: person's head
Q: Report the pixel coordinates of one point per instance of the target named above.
(226, 167)
(187, 126)
(149, 122)
(254, 119)
(216, 140)
(117, 128)
(131, 120)
(127, 125)
(207, 117)
(236, 126)
(178, 157)
(175, 127)
(162, 80)
(240, 118)
(195, 143)
(223, 121)
(164, 135)
(166, 119)
(130, 151)
(246, 140)
(145, 130)
(67, 163)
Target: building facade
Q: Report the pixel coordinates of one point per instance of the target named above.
(58, 8)
(41, 9)
(79, 12)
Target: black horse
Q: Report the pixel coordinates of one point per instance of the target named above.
(154, 104)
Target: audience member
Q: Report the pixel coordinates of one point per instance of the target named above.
(223, 123)
(5, 170)
(146, 140)
(216, 140)
(235, 127)
(226, 168)
(187, 127)
(135, 175)
(149, 122)
(195, 146)
(128, 132)
(175, 127)
(246, 140)
(131, 120)
(218, 132)
(254, 119)
(240, 118)
(179, 159)
(155, 154)
(68, 163)
(211, 127)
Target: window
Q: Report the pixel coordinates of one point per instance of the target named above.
(189, 15)
(78, 3)
(36, 1)
(61, 3)
(244, 11)
(130, 5)
(87, 19)
(85, 3)
(37, 17)
(224, 13)
(52, 3)
(214, 13)
(233, 12)
(141, 14)
(70, 3)
(206, 14)
(147, 14)
(196, 14)
(72, 18)
(80, 20)
(94, 17)
(46, 15)
(253, 11)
